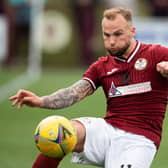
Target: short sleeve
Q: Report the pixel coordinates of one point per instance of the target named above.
(91, 75)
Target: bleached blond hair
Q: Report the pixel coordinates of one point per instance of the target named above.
(111, 14)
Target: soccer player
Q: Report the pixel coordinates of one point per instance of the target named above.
(133, 76)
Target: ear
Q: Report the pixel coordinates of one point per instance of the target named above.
(133, 31)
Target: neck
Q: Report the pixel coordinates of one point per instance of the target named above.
(130, 49)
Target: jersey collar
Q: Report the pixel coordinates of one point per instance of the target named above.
(132, 54)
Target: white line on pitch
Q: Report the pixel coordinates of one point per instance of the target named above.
(20, 82)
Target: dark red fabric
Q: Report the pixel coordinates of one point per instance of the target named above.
(139, 113)
(43, 161)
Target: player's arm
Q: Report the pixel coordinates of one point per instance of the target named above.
(162, 67)
(68, 96)
(59, 99)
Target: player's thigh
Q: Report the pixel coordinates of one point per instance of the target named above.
(133, 156)
(137, 157)
(96, 142)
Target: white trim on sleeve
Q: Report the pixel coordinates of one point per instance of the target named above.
(92, 83)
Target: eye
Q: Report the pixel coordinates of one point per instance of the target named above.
(118, 34)
(106, 34)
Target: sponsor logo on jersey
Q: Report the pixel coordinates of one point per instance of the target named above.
(140, 64)
(112, 71)
(129, 89)
(113, 91)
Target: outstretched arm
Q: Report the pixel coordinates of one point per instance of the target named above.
(68, 96)
(60, 99)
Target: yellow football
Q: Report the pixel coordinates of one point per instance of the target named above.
(55, 136)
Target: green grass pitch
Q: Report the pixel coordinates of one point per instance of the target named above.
(17, 147)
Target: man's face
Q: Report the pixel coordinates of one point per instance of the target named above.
(117, 35)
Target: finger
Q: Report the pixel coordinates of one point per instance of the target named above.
(162, 65)
(20, 105)
(15, 102)
(26, 100)
(18, 95)
(21, 93)
(159, 67)
(25, 93)
(12, 97)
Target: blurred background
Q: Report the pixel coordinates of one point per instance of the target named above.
(46, 45)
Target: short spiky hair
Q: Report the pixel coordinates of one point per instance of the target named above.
(111, 13)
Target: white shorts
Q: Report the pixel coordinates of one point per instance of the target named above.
(110, 147)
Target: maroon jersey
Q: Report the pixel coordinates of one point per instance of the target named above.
(136, 93)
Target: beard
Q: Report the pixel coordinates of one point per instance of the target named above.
(120, 52)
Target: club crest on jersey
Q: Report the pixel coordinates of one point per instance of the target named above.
(113, 91)
(140, 64)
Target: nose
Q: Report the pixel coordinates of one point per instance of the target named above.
(112, 41)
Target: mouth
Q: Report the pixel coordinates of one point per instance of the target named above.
(113, 49)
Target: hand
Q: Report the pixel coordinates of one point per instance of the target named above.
(162, 67)
(26, 97)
